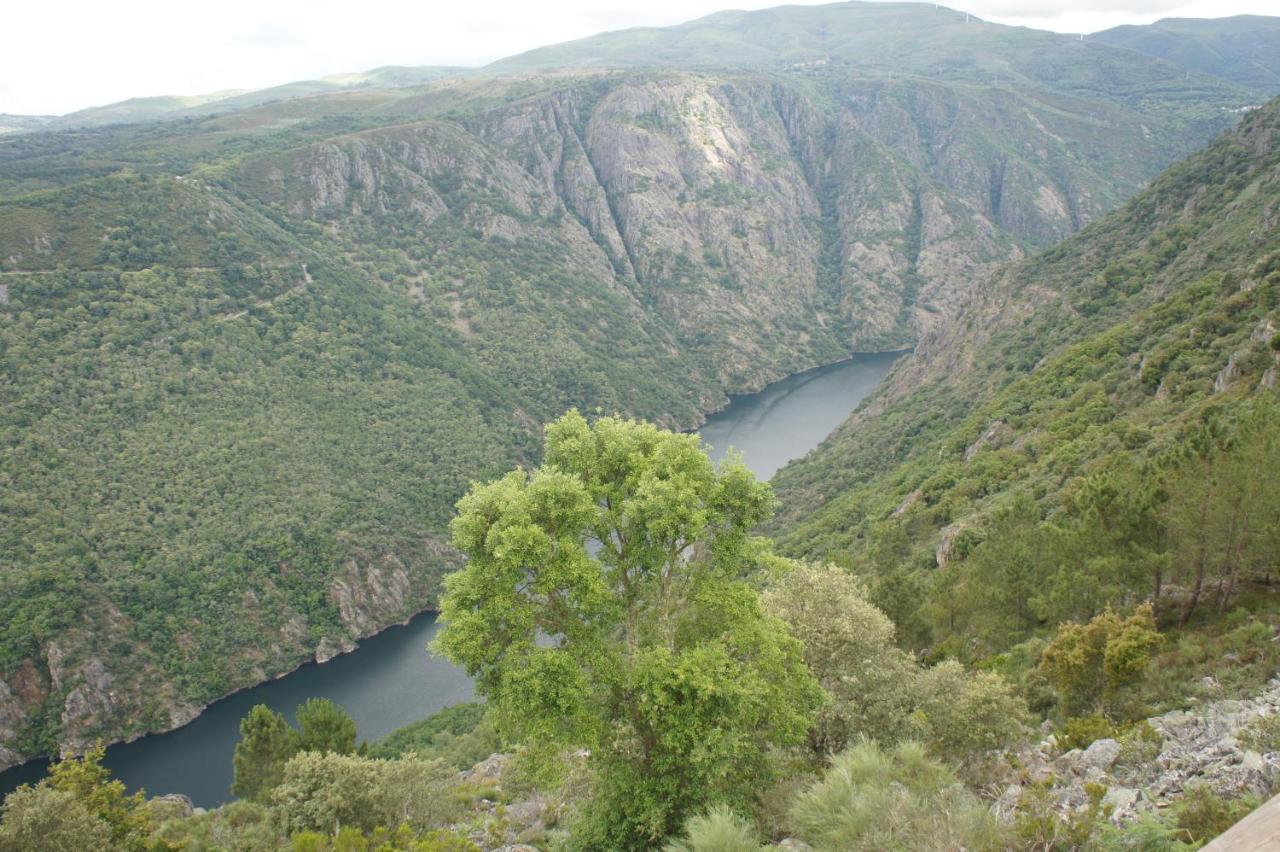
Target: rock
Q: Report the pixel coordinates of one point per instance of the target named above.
(1068, 761)
(1100, 754)
(1123, 800)
(373, 595)
(1005, 806)
(328, 648)
(489, 769)
(995, 434)
(172, 806)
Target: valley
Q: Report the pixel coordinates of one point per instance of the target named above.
(992, 310)
(390, 680)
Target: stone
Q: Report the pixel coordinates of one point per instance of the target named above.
(172, 805)
(1101, 754)
(1123, 799)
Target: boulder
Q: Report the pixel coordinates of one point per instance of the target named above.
(1101, 754)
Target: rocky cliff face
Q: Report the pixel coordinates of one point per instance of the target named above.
(763, 226)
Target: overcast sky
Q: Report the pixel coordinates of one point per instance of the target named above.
(61, 55)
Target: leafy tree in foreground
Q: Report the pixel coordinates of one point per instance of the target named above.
(266, 744)
(653, 650)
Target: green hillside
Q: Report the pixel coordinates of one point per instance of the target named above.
(1134, 359)
(1244, 49)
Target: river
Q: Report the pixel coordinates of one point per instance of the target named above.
(390, 680)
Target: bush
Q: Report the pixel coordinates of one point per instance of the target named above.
(323, 791)
(1038, 825)
(1203, 814)
(41, 817)
(966, 714)
(718, 830)
(902, 799)
(1088, 663)
(849, 648)
(1080, 731)
(1261, 735)
(875, 689)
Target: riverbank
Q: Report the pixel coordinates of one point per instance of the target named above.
(785, 420)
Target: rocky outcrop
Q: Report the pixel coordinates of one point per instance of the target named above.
(12, 720)
(1196, 746)
(368, 596)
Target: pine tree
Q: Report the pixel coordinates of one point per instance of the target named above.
(266, 744)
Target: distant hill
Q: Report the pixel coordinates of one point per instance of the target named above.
(23, 123)
(1244, 49)
(868, 38)
(218, 103)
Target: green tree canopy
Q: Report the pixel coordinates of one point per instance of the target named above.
(266, 744)
(606, 602)
(324, 726)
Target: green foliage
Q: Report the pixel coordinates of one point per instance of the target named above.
(42, 817)
(900, 799)
(660, 658)
(874, 689)
(266, 744)
(324, 726)
(1150, 832)
(962, 715)
(325, 791)
(90, 783)
(402, 839)
(1089, 663)
(848, 646)
(1204, 814)
(1038, 825)
(1261, 735)
(718, 830)
(460, 736)
(1080, 731)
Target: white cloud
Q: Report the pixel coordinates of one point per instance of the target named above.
(62, 55)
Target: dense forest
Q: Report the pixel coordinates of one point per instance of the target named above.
(286, 368)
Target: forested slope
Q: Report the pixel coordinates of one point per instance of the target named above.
(1077, 438)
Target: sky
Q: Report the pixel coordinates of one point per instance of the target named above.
(63, 55)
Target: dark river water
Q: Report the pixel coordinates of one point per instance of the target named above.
(391, 679)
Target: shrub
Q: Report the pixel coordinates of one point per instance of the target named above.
(323, 791)
(900, 799)
(718, 830)
(1088, 663)
(849, 648)
(1038, 825)
(876, 690)
(1204, 814)
(966, 714)
(41, 817)
(1080, 731)
(1261, 735)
